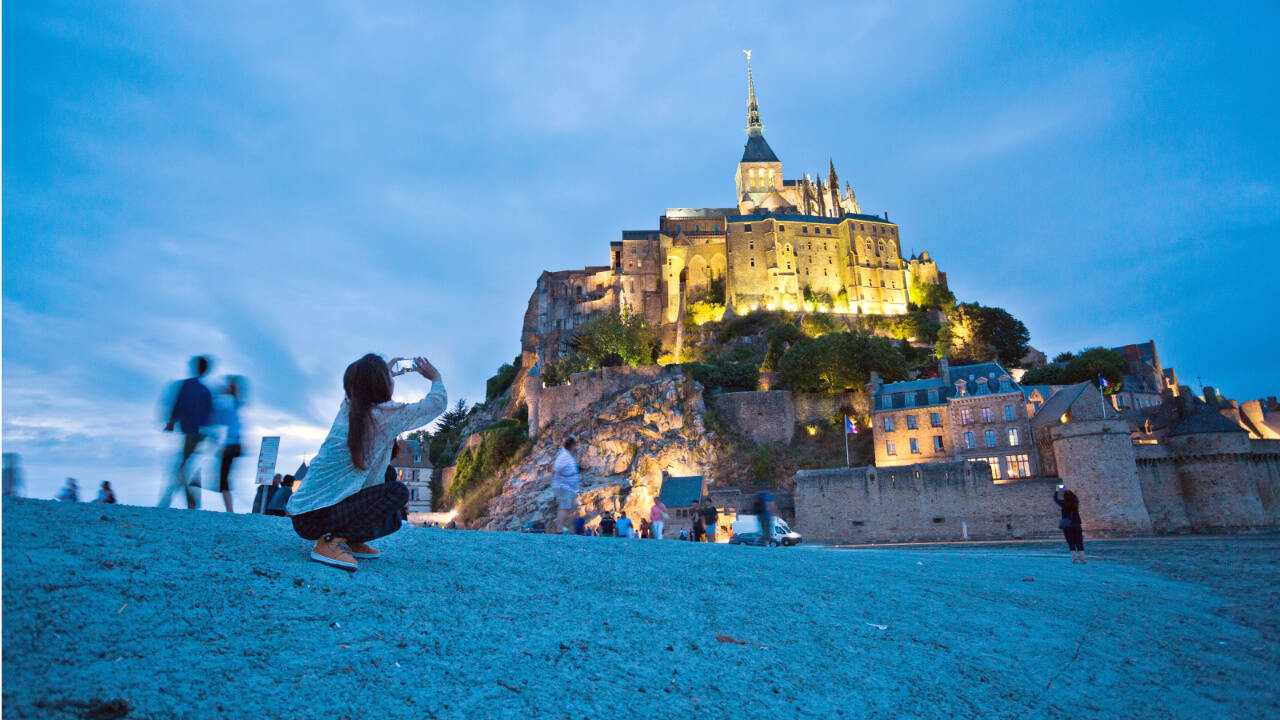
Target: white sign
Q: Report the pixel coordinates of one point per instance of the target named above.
(267, 460)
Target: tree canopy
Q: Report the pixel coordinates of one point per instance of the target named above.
(976, 333)
(840, 361)
(624, 334)
(1084, 366)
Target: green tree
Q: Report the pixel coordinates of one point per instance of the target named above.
(1047, 375)
(981, 334)
(840, 361)
(625, 334)
(501, 380)
(928, 296)
(1089, 364)
(443, 447)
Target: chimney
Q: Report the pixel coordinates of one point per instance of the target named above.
(944, 371)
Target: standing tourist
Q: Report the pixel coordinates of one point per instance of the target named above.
(106, 494)
(699, 524)
(564, 483)
(709, 518)
(646, 529)
(190, 413)
(226, 412)
(1070, 523)
(624, 526)
(280, 499)
(69, 492)
(607, 524)
(658, 518)
(345, 501)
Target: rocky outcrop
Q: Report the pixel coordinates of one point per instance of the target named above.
(625, 444)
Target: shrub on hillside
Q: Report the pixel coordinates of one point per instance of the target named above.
(501, 380)
(624, 334)
(976, 333)
(725, 376)
(499, 444)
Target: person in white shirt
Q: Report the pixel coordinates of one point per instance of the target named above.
(344, 501)
(564, 483)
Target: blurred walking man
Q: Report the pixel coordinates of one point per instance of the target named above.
(191, 410)
(564, 483)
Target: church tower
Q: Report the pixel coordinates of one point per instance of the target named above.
(760, 171)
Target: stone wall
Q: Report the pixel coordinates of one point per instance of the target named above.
(932, 501)
(1207, 482)
(548, 405)
(818, 408)
(766, 417)
(1095, 460)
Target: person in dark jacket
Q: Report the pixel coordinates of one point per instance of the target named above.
(281, 498)
(709, 519)
(192, 407)
(1070, 523)
(607, 524)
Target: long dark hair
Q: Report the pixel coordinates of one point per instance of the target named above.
(368, 383)
(1070, 503)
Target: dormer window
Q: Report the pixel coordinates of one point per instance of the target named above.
(961, 389)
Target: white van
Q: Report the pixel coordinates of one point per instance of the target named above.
(746, 531)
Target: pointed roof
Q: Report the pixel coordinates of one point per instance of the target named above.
(757, 150)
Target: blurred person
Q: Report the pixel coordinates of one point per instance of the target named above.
(564, 484)
(1072, 527)
(280, 498)
(265, 493)
(12, 475)
(646, 529)
(658, 518)
(192, 407)
(106, 494)
(766, 510)
(226, 412)
(69, 492)
(608, 525)
(346, 501)
(699, 524)
(580, 523)
(624, 526)
(710, 517)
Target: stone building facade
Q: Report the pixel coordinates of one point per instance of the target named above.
(972, 412)
(794, 244)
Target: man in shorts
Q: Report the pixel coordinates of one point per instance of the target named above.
(564, 483)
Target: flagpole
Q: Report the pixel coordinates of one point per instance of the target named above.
(847, 463)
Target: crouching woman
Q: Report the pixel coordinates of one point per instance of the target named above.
(344, 501)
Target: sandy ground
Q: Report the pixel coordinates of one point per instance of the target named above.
(172, 613)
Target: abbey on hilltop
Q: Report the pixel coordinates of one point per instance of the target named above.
(787, 244)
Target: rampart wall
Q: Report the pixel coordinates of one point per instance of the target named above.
(930, 501)
(767, 418)
(1207, 482)
(548, 404)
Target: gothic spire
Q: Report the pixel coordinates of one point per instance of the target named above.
(753, 109)
(832, 180)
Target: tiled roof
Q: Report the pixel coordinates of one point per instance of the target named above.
(757, 150)
(681, 491)
(1061, 402)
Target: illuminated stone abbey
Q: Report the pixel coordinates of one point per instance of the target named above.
(797, 245)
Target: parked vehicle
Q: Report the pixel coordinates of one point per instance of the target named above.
(746, 531)
(537, 526)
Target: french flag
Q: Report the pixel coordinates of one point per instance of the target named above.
(1102, 382)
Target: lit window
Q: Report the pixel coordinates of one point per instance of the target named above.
(890, 447)
(965, 416)
(1019, 466)
(935, 419)
(911, 422)
(994, 464)
(915, 446)
(1013, 436)
(990, 437)
(888, 424)
(1008, 412)
(937, 443)
(968, 441)
(986, 414)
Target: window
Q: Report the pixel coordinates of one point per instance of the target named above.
(1008, 412)
(911, 422)
(994, 464)
(968, 440)
(751, 244)
(824, 272)
(677, 228)
(804, 230)
(986, 414)
(935, 419)
(1004, 385)
(828, 231)
(1013, 437)
(782, 228)
(888, 423)
(1019, 466)
(937, 443)
(413, 494)
(965, 417)
(933, 396)
(890, 447)
(746, 228)
(788, 264)
(915, 446)
(990, 437)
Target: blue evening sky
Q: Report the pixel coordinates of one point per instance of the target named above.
(287, 186)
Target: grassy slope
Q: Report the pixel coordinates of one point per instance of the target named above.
(196, 614)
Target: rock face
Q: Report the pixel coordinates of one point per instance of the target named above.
(625, 444)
